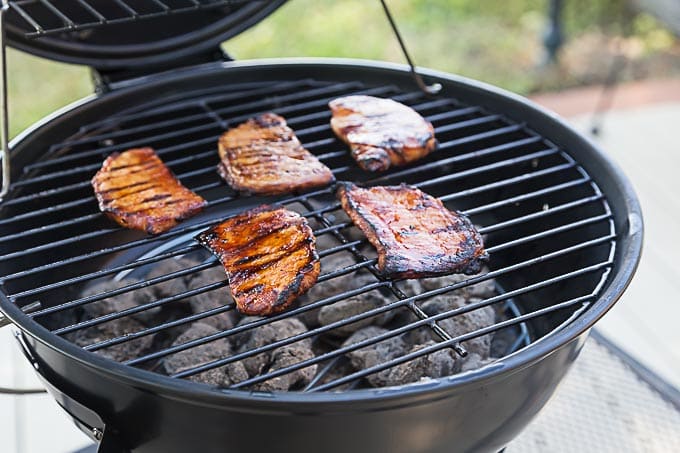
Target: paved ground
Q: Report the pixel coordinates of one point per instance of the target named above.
(644, 139)
(642, 135)
(31, 423)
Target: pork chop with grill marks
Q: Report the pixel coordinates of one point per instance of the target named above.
(138, 191)
(263, 156)
(413, 232)
(269, 255)
(381, 132)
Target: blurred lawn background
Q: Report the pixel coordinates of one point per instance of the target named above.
(499, 42)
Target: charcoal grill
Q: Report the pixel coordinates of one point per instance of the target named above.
(562, 225)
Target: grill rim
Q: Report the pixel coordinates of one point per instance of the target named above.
(629, 246)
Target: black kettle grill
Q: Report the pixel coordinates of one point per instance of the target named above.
(563, 228)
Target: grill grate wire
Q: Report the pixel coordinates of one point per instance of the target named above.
(474, 143)
(50, 17)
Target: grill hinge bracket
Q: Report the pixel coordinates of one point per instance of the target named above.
(4, 116)
(106, 80)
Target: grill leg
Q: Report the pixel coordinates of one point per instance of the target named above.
(608, 92)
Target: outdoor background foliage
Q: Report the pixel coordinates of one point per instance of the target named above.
(499, 42)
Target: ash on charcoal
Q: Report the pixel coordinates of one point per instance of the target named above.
(152, 316)
(175, 285)
(120, 302)
(200, 302)
(326, 241)
(409, 287)
(483, 289)
(474, 361)
(503, 340)
(441, 363)
(459, 324)
(352, 306)
(438, 364)
(339, 368)
(374, 354)
(113, 329)
(338, 285)
(279, 357)
(202, 354)
(327, 288)
(213, 299)
(282, 358)
(434, 365)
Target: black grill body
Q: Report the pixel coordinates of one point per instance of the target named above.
(480, 410)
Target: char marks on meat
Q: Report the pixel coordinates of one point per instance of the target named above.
(263, 156)
(269, 255)
(381, 132)
(413, 232)
(138, 191)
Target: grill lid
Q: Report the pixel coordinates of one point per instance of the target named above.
(115, 34)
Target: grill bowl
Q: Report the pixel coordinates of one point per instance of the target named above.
(481, 410)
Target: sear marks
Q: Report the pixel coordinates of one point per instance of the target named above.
(269, 255)
(263, 156)
(381, 132)
(138, 191)
(414, 233)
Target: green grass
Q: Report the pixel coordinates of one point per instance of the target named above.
(37, 87)
(495, 41)
(499, 42)
(454, 38)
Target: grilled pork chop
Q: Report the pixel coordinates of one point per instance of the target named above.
(138, 191)
(269, 255)
(381, 132)
(415, 235)
(263, 156)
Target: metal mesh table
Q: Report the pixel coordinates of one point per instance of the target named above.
(607, 402)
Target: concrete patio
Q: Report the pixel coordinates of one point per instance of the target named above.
(642, 134)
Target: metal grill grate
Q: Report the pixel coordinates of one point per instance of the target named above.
(549, 230)
(48, 17)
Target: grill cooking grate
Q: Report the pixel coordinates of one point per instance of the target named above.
(48, 17)
(538, 208)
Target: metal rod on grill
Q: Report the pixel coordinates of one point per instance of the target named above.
(33, 306)
(4, 120)
(428, 89)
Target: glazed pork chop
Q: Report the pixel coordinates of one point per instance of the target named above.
(138, 191)
(413, 232)
(381, 132)
(269, 255)
(263, 156)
